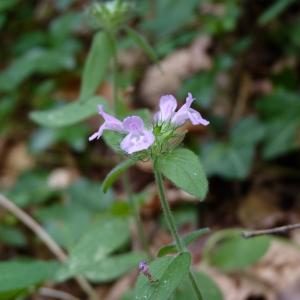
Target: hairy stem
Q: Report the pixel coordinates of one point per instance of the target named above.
(47, 239)
(171, 224)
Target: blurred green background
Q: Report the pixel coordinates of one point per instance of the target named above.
(240, 59)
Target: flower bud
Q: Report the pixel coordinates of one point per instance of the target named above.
(112, 14)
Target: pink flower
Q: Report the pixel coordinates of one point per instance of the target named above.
(137, 138)
(168, 105)
(110, 123)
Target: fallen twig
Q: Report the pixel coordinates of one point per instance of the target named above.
(275, 230)
(47, 239)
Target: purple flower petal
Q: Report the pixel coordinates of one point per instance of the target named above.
(187, 113)
(167, 105)
(133, 124)
(110, 123)
(196, 118)
(137, 141)
(143, 267)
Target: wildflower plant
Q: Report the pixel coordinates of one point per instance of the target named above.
(160, 143)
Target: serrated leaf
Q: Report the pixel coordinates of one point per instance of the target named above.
(229, 251)
(115, 173)
(113, 267)
(16, 276)
(68, 114)
(184, 169)
(187, 240)
(169, 271)
(96, 64)
(142, 43)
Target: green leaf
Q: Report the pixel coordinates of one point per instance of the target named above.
(102, 239)
(115, 173)
(280, 111)
(233, 159)
(31, 188)
(229, 251)
(96, 64)
(227, 160)
(208, 288)
(169, 271)
(68, 221)
(110, 268)
(187, 240)
(16, 276)
(7, 4)
(281, 137)
(12, 236)
(67, 115)
(142, 43)
(184, 169)
(274, 10)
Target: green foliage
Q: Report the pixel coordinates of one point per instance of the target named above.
(94, 246)
(115, 173)
(274, 11)
(171, 15)
(209, 289)
(34, 61)
(229, 251)
(67, 222)
(113, 267)
(222, 21)
(169, 271)
(139, 40)
(187, 240)
(280, 112)
(12, 236)
(234, 158)
(67, 115)
(44, 138)
(184, 169)
(20, 276)
(8, 4)
(31, 188)
(97, 61)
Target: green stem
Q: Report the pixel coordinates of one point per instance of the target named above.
(115, 98)
(166, 209)
(115, 83)
(171, 224)
(136, 214)
(195, 285)
(126, 184)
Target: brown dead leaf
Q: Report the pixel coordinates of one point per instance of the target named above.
(176, 67)
(277, 274)
(18, 160)
(61, 178)
(259, 209)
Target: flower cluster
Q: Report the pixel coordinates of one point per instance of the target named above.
(139, 138)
